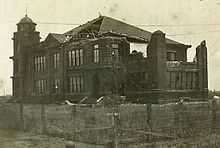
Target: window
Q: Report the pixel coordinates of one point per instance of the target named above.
(115, 52)
(40, 86)
(171, 56)
(76, 84)
(75, 57)
(96, 55)
(96, 46)
(56, 86)
(81, 83)
(81, 56)
(56, 60)
(115, 46)
(71, 58)
(36, 64)
(139, 47)
(39, 63)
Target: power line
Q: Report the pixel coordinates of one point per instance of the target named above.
(185, 34)
(178, 34)
(57, 23)
(140, 25)
(146, 25)
(180, 25)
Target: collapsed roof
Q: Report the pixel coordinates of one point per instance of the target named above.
(103, 25)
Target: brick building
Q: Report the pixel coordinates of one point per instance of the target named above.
(104, 57)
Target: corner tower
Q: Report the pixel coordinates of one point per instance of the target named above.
(25, 36)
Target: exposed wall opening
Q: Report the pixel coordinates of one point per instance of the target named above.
(139, 47)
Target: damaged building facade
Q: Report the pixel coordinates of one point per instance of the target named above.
(105, 57)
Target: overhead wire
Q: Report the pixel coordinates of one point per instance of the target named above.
(195, 33)
(148, 25)
(140, 25)
(178, 34)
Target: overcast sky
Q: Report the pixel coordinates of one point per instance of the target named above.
(187, 21)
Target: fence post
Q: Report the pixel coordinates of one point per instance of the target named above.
(21, 116)
(73, 116)
(149, 117)
(213, 108)
(43, 119)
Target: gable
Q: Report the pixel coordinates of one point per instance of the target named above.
(54, 39)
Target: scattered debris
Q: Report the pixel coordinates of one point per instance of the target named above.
(69, 103)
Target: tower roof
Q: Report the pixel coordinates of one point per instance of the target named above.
(26, 20)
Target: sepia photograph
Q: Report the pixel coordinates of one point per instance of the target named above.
(109, 74)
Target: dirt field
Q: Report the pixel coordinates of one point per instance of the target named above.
(15, 139)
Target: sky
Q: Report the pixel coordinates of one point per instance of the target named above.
(187, 21)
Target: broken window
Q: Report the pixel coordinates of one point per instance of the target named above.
(96, 46)
(115, 52)
(96, 54)
(139, 47)
(115, 46)
(171, 56)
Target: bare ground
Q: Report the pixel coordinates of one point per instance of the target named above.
(16, 139)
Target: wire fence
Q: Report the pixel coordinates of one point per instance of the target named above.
(98, 124)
